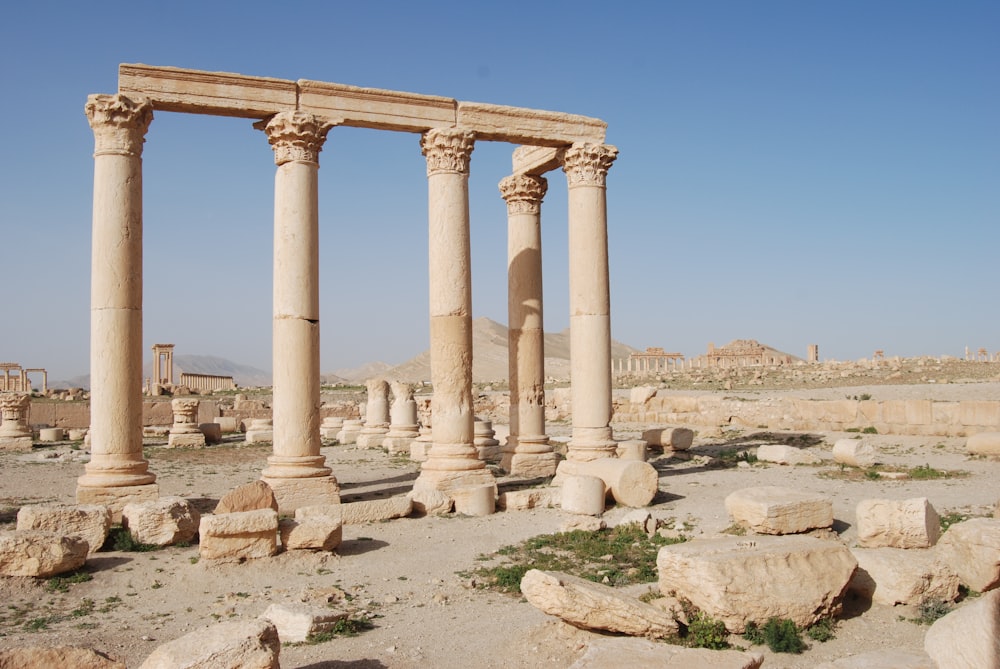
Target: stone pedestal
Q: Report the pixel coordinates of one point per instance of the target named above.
(349, 432)
(527, 452)
(330, 426)
(487, 447)
(117, 469)
(117, 497)
(184, 431)
(453, 460)
(376, 414)
(296, 465)
(260, 431)
(15, 435)
(586, 167)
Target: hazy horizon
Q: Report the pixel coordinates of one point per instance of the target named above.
(795, 173)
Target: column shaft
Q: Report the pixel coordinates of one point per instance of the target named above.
(296, 469)
(527, 451)
(453, 459)
(586, 167)
(119, 126)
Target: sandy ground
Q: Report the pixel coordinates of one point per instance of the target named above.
(406, 572)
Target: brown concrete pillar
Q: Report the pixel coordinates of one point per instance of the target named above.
(527, 452)
(117, 472)
(296, 470)
(586, 167)
(453, 460)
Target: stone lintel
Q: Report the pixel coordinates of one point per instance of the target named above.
(197, 92)
(537, 127)
(536, 160)
(376, 108)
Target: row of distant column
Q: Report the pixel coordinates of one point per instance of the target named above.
(296, 469)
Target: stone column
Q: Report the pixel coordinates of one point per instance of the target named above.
(117, 473)
(453, 460)
(403, 424)
(527, 451)
(586, 167)
(296, 470)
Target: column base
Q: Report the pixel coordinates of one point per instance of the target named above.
(186, 440)
(398, 445)
(591, 443)
(116, 497)
(371, 437)
(295, 467)
(489, 452)
(294, 493)
(15, 443)
(451, 479)
(530, 465)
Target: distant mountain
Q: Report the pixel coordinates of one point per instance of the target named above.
(489, 355)
(369, 370)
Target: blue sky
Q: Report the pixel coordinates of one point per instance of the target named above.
(793, 172)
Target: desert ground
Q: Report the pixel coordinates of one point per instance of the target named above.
(411, 575)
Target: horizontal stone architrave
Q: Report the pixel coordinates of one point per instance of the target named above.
(230, 94)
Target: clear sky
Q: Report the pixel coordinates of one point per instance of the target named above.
(792, 172)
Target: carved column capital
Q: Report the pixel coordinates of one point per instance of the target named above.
(447, 150)
(295, 136)
(588, 164)
(119, 123)
(523, 193)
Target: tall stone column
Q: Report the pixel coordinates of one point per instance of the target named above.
(527, 452)
(453, 460)
(117, 473)
(296, 470)
(586, 167)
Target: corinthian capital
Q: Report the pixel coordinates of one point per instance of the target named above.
(119, 123)
(447, 149)
(523, 193)
(295, 136)
(588, 164)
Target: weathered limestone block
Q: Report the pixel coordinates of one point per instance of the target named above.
(61, 657)
(783, 454)
(972, 549)
(529, 498)
(330, 426)
(212, 432)
(313, 528)
(164, 522)
(252, 644)
(297, 622)
(227, 424)
(430, 501)
(591, 605)
(582, 523)
(672, 438)
(896, 658)
(116, 497)
(739, 579)
(474, 500)
(584, 495)
(90, 521)
(630, 482)
(777, 510)
(239, 535)
(350, 431)
(641, 394)
(50, 434)
(248, 497)
(376, 510)
(40, 553)
(967, 637)
(608, 652)
(984, 443)
(855, 453)
(893, 576)
(260, 431)
(908, 523)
